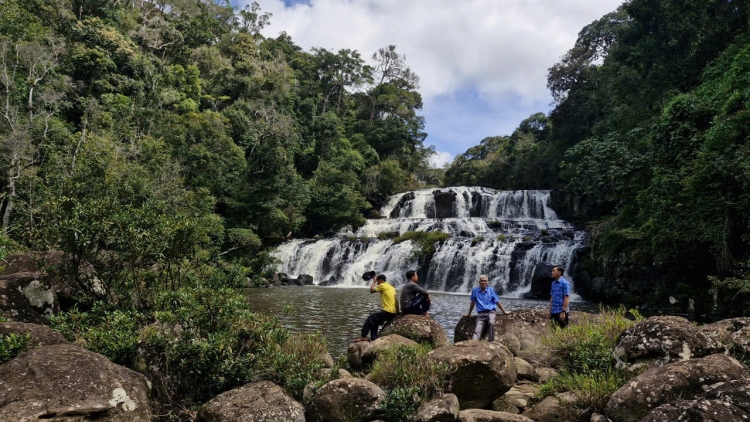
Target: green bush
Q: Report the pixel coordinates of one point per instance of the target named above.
(408, 378)
(110, 332)
(424, 242)
(593, 388)
(477, 240)
(387, 235)
(588, 345)
(11, 345)
(501, 237)
(495, 224)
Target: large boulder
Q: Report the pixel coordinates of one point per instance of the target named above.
(362, 354)
(39, 335)
(734, 333)
(524, 370)
(420, 328)
(553, 409)
(396, 212)
(662, 339)
(261, 401)
(480, 371)
(63, 382)
(685, 380)
(305, 279)
(724, 401)
(348, 400)
(528, 326)
(443, 408)
(27, 297)
(541, 281)
(50, 267)
(479, 415)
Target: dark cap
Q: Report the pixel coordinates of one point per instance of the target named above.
(368, 275)
(381, 277)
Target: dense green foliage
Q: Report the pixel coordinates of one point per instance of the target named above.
(163, 146)
(650, 124)
(583, 351)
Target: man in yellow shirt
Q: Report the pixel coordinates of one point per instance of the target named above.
(389, 304)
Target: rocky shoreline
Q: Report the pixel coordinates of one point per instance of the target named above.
(680, 371)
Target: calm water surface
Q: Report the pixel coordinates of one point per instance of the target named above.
(338, 313)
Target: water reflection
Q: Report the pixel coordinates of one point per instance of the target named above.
(338, 313)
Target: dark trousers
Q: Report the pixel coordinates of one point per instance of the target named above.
(419, 306)
(374, 321)
(556, 319)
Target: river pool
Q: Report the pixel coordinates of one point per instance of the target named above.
(338, 313)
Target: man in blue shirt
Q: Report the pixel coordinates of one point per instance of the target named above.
(558, 303)
(485, 300)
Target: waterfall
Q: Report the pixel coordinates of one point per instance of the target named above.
(503, 234)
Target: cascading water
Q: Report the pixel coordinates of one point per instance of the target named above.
(504, 234)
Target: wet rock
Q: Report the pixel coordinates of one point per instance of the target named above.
(444, 204)
(261, 401)
(662, 339)
(524, 370)
(541, 281)
(362, 354)
(664, 384)
(63, 382)
(348, 399)
(396, 213)
(40, 335)
(420, 328)
(481, 373)
(440, 409)
(305, 280)
(27, 297)
(478, 415)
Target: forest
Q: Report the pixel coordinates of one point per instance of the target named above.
(650, 127)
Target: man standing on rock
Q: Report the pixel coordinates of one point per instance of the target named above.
(486, 301)
(388, 302)
(558, 303)
(414, 298)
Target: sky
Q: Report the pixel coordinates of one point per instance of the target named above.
(482, 64)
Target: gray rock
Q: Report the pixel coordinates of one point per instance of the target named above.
(541, 281)
(662, 339)
(261, 401)
(551, 409)
(663, 384)
(482, 371)
(478, 415)
(362, 354)
(545, 374)
(63, 382)
(440, 409)
(524, 370)
(420, 328)
(348, 399)
(510, 341)
(597, 417)
(27, 297)
(327, 360)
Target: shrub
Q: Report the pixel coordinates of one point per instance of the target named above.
(387, 235)
(11, 345)
(424, 242)
(477, 240)
(495, 224)
(588, 345)
(593, 388)
(408, 378)
(110, 332)
(501, 237)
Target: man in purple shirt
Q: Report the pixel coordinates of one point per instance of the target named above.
(485, 300)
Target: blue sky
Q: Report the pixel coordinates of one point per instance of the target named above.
(482, 63)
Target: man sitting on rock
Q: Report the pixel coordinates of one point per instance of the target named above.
(415, 300)
(486, 300)
(558, 303)
(388, 302)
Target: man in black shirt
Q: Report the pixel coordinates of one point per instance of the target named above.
(414, 298)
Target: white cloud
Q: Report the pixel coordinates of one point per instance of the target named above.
(440, 158)
(501, 49)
